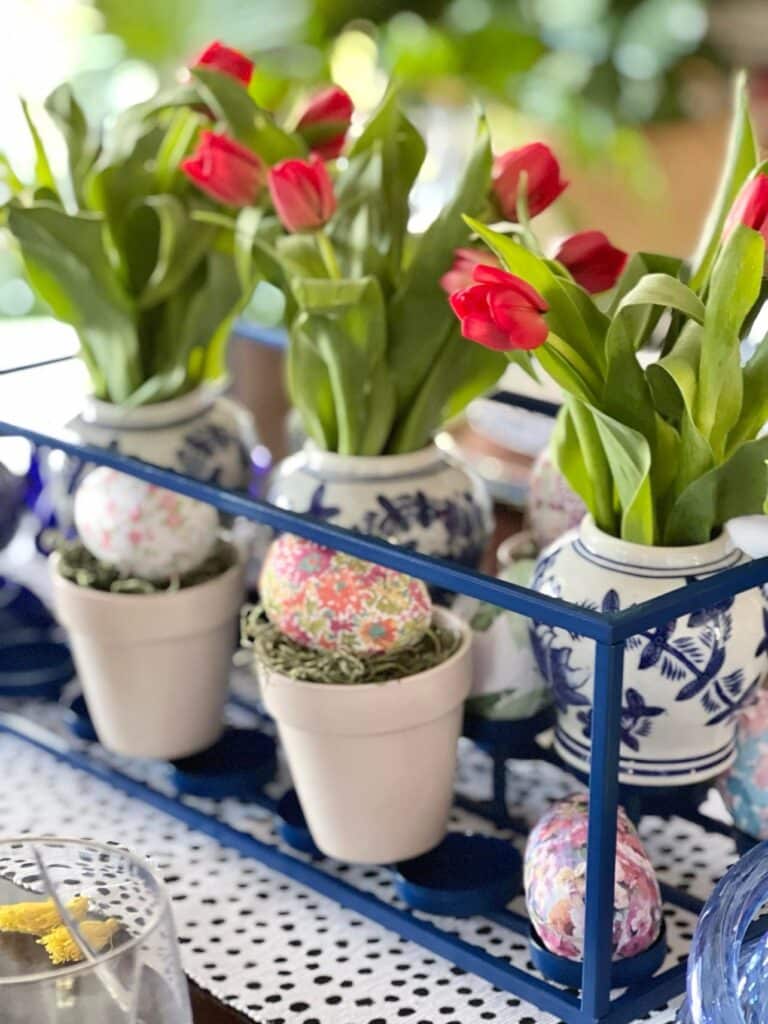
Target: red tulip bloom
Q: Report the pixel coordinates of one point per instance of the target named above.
(543, 181)
(227, 61)
(302, 192)
(750, 207)
(225, 170)
(593, 262)
(501, 311)
(464, 263)
(325, 120)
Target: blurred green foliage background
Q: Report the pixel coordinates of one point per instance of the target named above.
(592, 72)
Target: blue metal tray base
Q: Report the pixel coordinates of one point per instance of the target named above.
(596, 1003)
(309, 868)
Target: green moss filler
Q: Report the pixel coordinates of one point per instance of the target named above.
(79, 566)
(278, 652)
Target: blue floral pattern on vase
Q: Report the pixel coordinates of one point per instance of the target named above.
(423, 500)
(684, 682)
(394, 518)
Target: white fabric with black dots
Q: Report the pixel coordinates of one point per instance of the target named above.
(280, 953)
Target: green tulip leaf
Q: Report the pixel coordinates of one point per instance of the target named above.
(734, 488)
(734, 287)
(421, 320)
(629, 457)
(309, 385)
(249, 123)
(740, 160)
(44, 177)
(82, 147)
(69, 267)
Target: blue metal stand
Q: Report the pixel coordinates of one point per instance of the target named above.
(609, 631)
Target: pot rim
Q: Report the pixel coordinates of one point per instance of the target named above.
(441, 615)
(102, 596)
(629, 553)
(156, 415)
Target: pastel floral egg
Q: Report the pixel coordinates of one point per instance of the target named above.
(745, 787)
(328, 600)
(553, 507)
(555, 884)
(142, 529)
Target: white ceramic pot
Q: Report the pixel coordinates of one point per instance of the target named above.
(203, 434)
(154, 667)
(423, 499)
(374, 765)
(683, 682)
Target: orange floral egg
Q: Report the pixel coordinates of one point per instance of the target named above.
(327, 600)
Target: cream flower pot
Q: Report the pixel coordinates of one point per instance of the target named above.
(154, 667)
(374, 765)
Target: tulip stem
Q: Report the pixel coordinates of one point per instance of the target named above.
(524, 218)
(325, 248)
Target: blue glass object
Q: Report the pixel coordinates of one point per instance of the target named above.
(727, 968)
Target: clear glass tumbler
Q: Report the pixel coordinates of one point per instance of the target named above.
(86, 937)
(727, 970)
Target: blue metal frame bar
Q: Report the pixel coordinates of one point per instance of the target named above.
(601, 838)
(37, 365)
(526, 402)
(608, 631)
(437, 571)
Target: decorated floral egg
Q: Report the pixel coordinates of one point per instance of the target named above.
(745, 787)
(142, 529)
(325, 599)
(552, 507)
(555, 884)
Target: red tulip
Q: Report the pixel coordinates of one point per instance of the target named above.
(592, 261)
(302, 192)
(226, 60)
(325, 120)
(225, 170)
(750, 207)
(543, 181)
(500, 311)
(464, 263)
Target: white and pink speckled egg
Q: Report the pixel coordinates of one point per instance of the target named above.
(142, 529)
(331, 601)
(552, 507)
(555, 883)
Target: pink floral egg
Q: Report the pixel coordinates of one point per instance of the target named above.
(328, 600)
(552, 507)
(142, 529)
(555, 883)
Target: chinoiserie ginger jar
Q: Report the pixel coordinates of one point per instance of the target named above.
(423, 500)
(684, 680)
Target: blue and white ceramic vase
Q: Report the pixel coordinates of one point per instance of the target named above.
(203, 434)
(423, 500)
(684, 682)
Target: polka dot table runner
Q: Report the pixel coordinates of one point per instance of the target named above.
(282, 954)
